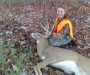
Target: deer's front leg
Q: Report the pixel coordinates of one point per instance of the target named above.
(37, 70)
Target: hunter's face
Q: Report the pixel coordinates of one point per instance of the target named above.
(60, 12)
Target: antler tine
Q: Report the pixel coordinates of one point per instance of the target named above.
(46, 28)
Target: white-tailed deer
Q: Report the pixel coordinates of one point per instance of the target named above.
(67, 60)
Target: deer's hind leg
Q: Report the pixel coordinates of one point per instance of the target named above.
(69, 67)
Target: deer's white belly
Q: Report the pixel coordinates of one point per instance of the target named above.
(69, 67)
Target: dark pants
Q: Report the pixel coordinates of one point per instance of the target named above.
(59, 41)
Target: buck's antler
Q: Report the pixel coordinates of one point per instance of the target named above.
(46, 29)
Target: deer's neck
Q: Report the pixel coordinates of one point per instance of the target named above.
(42, 45)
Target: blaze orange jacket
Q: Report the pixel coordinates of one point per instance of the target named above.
(61, 24)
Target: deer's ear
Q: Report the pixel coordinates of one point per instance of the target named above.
(36, 36)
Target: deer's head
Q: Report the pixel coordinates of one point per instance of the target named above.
(42, 43)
